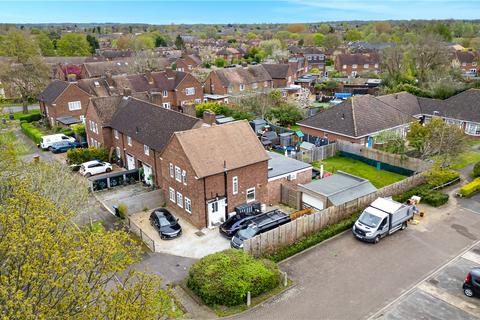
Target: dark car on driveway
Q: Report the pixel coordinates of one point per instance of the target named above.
(64, 146)
(165, 223)
(471, 286)
(234, 223)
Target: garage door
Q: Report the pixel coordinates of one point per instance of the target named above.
(310, 201)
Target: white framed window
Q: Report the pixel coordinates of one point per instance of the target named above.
(184, 177)
(165, 93)
(190, 91)
(178, 174)
(179, 199)
(242, 87)
(251, 194)
(146, 149)
(265, 84)
(354, 66)
(172, 194)
(74, 105)
(96, 127)
(171, 170)
(189, 67)
(117, 151)
(472, 128)
(188, 205)
(214, 207)
(235, 185)
(115, 133)
(90, 125)
(344, 66)
(166, 105)
(129, 141)
(376, 65)
(198, 100)
(366, 66)
(254, 85)
(82, 117)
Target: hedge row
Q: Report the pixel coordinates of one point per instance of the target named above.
(31, 131)
(225, 278)
(30, 117)
(476, 170)
(313, 239)
(79, 156)
(470, 188)
(432, 197)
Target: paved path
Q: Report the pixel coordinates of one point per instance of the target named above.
(19, 108)
(347, 279)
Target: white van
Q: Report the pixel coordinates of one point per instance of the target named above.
(47, 141)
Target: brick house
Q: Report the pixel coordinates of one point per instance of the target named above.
(467, 61)
(353, 64)
(207, 172)
(315, 58)
(140, 131)
(63, 103)
(230, 54)
(282, 74)
(186, 63)
(237, 81)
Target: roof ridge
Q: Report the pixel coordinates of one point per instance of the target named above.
(354, 119)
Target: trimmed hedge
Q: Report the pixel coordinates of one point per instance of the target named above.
(313, 239)
(31, 131)
(432, 197)
(437, 177)
(224, 278)
(30, 117)
(476, 170)
(79, 155)
(470, 188)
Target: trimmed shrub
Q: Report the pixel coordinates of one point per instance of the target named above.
(122, 210)
(31, 131)
(470, 188)
(30, 117)
(224, 278)
(476, 170)
(432, 197)
(437, 177)
(78, 155)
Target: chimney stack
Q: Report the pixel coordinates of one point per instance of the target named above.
(209, 117)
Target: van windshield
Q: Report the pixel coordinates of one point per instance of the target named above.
(369, 219)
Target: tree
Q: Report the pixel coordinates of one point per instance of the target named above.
(93, 43)
(220, 62)
(437, 139)
(285, 115)
(391, 142)
(146, 61)
(179, 43)
(331, 41)
(19, 45)
(296, 28)
(45, 44)
(429, 55)
(73, 45)
(123, 43)
(392, 61)
(353, 35)
(160, 41)
(318, 39)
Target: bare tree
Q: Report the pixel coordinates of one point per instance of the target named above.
(392, 60)
(429, 55)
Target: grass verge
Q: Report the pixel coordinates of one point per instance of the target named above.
(379, 178)
(19, 146)
(313, 239)
(465, 159)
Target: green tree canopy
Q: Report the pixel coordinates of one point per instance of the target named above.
(73, 45)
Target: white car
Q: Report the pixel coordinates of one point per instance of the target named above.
(94, 167)
(46, 142)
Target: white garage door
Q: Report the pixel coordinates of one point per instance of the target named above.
(312, 201)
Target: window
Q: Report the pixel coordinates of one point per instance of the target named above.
(115, 133)
(472, 128)
(96, 127)
(184, 177)
(188, 205)
(254, 85)
(166, 105)
(74, 105)
(189, 67)
(190, 91)
(165, 93)
(198, 100)
(171, 170)
(229, 89)
(354, 66)
(214, 207)
(242, 87)
(235, 185)
(344, 66)
(178, 174)
(376, 65)
(82, 118)
(464, 64)
(146, 150)
(265, 84)
(309, 57)
(366, 66)
(179, 199)
(250, 194)
(117, 151)
(129, 141)
(172, 194)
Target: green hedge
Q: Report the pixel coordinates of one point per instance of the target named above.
(476, 170)
(30, 117)
(66, 131)
(224, 278)
(432, 197)
(470, 188)
(79, 156)
(437, 177)
(31, 131)
(313, 239)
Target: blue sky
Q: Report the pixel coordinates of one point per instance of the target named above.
(247, 11)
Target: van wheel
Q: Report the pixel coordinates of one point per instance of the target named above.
(49, 148)
(108, 170)
(404, 225)
(468, 292)
(377, 239)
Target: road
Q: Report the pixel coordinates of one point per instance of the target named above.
(14, 109)
(347, 279)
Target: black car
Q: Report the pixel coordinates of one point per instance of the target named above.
(471, 286)
(166, 224)
(234, 223)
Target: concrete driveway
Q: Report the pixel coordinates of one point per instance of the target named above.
(193, 243)
(136, 197)
(347, 279)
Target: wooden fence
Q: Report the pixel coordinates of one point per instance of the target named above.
(290, 196)
(316, 153)
(287, 234)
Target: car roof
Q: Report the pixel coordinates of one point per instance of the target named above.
(476, 272)
(161, 211)
(91, 162)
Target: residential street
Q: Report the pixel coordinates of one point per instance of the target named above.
(347, 279)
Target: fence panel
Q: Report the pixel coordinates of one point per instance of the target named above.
(134, 228)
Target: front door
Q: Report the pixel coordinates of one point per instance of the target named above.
(130, 162)
(216, 212)
(148, 174)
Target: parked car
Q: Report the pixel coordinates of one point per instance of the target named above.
(234, 223)
(260, 224)
(46, 142)
(64, 146)
(165, 223)
(94, 167)
(471, 286)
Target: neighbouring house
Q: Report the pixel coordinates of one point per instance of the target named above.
(299, 64)
(140, 132)
(186, 63)
(315, 58)
(467, 61)
(334, 190)
(99, 69)
(283, 75)
(230, 54)
(63, 103)
(353, 64)
(237, 81)
(207, 172)
(285, 171)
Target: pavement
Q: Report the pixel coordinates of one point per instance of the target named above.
(14, 109)
(344, 278)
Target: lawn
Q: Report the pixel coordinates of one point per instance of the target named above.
(465, 159)
(21, 148)
(379, 178)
